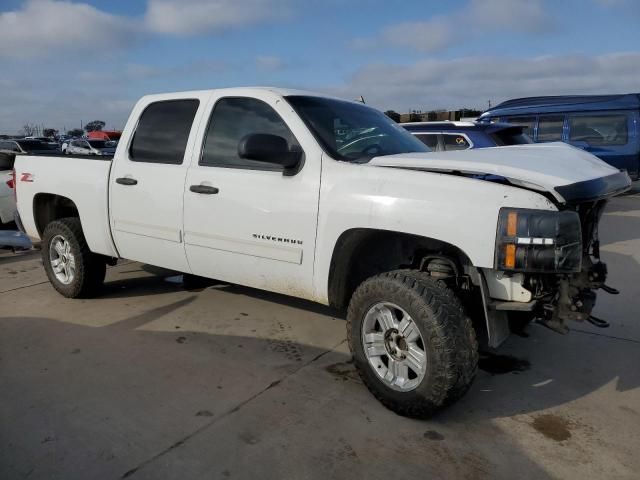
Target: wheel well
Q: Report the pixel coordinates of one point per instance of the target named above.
(48, 207)
(362, 253)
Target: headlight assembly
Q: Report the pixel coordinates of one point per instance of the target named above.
(538, 241)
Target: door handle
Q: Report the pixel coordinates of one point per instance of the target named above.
(126, 181)
(204, 189)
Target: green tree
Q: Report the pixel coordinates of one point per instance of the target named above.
(393, 115)
(94, 126)
(76, 132)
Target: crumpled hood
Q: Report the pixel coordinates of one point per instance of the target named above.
(550, 167)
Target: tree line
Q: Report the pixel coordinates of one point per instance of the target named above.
(31, 129)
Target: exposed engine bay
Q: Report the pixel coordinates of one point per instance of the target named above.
(563, 297)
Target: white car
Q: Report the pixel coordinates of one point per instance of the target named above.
(89, 147)
(429, 251)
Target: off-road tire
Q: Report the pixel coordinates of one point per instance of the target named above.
(449, 337)
(90, 268)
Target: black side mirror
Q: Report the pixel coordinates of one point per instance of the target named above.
(264, 147)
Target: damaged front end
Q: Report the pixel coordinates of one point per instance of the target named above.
(557, 255)
(572, 296)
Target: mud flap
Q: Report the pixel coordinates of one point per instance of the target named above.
(496, 320)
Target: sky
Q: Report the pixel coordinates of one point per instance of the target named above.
(63, 63)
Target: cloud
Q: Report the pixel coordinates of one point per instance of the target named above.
(476, 18)
(59, 94)
(189, 17)
(470, 82)
(43, 26)
(269, 63)
(429, 36)
(514, 15)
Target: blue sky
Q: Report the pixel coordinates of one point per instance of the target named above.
(66, 62)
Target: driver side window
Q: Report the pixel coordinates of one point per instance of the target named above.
(231, 120)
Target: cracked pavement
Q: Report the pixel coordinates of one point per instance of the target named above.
(155, 381)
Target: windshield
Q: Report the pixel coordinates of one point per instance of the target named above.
(102, 144)
(353, 132)
(30, 145)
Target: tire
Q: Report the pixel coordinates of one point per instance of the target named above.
(88, 268)
(446, 335)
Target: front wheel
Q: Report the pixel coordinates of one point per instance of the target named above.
(412, 343)
(73, 270)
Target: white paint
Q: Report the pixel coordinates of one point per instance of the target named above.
(542, 166)
(227, 235)
(506, 287)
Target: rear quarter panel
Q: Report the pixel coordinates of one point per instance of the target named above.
(83, 181)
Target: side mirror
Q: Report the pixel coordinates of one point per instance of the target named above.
(264, 147)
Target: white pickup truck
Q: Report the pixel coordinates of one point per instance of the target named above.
(329, 200)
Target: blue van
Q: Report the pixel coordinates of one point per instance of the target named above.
(607, 126)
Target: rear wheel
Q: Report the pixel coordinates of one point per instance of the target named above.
(73, 270)
(412, 343)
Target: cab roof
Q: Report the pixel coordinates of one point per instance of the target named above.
(283, 92)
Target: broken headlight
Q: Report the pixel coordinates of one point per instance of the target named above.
(538, 241)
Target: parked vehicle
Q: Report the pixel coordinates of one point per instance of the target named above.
(447, 136)
(606, 125)
(27, 146)
(113, 135)
(81, 146)
(7, 198)
(252, 186)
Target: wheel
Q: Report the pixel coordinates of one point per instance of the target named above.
(73, 270)
(412, 344)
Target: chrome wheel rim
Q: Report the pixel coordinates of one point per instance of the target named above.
(63, 262)
(394, 346)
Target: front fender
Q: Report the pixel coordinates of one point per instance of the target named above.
(457, 210)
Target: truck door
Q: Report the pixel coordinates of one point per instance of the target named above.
(147, 182)
(245, 221)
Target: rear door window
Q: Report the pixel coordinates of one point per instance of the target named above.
(599, 129)
(429, 139)
(527, 123)
(550, 128)
(455, 142)
(163, 131)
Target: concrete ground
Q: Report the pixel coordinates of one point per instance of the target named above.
(152, 381)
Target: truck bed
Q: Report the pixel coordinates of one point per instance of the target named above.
(85, 183)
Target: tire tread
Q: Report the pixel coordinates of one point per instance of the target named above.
(452, 339)
(90, 268)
